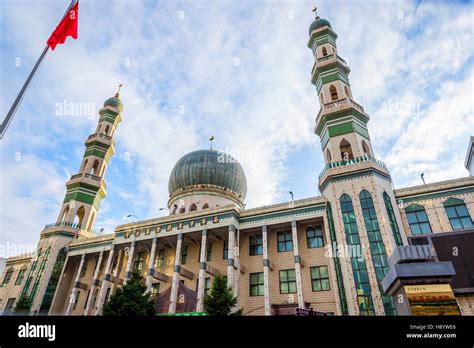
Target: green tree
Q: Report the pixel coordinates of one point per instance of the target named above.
(220, 300)
(22, 306)
(132, 299)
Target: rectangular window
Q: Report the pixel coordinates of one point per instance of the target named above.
(207, 285)
(138, 262)
(76, 300)
(225, 254)
(19, 278)
(319, 278)
(184, 255)
(285, 241)
(87, 299)
(256, 284)
(256, 245)
(8, 277)
(107, 294)
(155, 289)
(314, 237)
(418, 221)
(9, 307)
(95, 297)
(160, 259)
(459, 217)
(83, 270)
(287, 281)
(209, 252)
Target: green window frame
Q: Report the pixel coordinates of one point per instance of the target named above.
(320, 278)
(418, 221)
(287, 281)
(393, 220)
(20, 276)
(359, 269)
(377, 247)
(256, 245)
(209, 252)
(9, 306)
(184, 255)
(458, 216)
(314, 237)
(285, 241)
(225, 251)
(138, 261)
(337, 262)
(155, 289)
(160, 258)
(256, 284)
(8, 276)
(207, 285)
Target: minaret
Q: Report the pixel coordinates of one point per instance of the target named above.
(87, 188)
(361, 206)
(85, 191)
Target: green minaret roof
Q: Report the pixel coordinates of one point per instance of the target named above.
(114, 102)
(319, 23)
(208, 167)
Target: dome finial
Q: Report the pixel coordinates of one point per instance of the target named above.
(211, 139)
(315, 10)
(118, 91)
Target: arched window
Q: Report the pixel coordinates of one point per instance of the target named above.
(182, 210)
(347, 92)
(333, 91)
(107, 129)
(328, 156)
(321, 98)
(393, 221)
(80, 215)
(175, 209)
(457, 213)
(314, 237)
(205, 206)
(325, 51)
(65, 213)
(193, 207)
(337, 262)
(95, 168)
(346, 150)
(377, 247)
(359, 269)
(53, 280)
(365, 148)
(99, 127)
(417, 219)
(84, 165)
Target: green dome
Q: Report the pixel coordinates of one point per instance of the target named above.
(114, 102)
(319, 23)
(208, 167)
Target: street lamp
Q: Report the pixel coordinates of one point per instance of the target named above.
(131, 215)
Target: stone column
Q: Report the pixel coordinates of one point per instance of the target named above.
(296, 251)
(95, 284)
(105, 282)
(177, 270)
(75, 287)
(231, 257)
(202, 271)
(131, 253)
(151, 266)
(266, 271)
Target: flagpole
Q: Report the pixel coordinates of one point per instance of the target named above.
(26, 85)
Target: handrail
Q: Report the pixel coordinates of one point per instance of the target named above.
(357, 160)
(72, 225)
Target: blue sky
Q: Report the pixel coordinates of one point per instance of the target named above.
(237, 70)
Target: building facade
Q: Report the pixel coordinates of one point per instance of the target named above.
(329, 252)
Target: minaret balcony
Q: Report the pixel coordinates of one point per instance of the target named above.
(327, 60)
(338, 105)
(87, 178)
(357, 164)
(100, 138)
(69, 228)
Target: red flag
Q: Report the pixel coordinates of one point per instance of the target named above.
(67, 27)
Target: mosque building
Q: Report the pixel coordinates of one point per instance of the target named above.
(276, 258)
